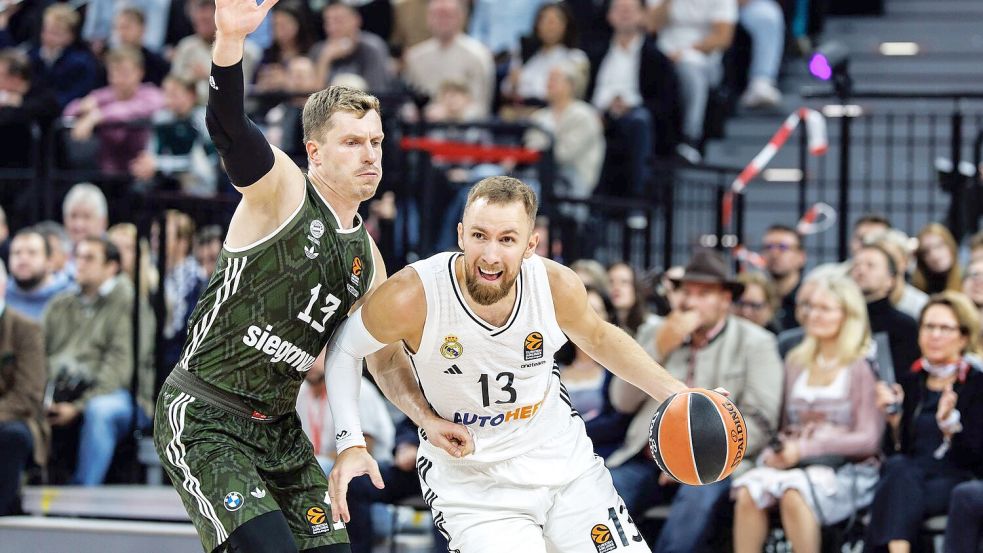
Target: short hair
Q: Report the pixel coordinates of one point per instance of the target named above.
(872, 219)
(892, 264)
(65, 14)
(786, 229)
(122, 54)
(184, 82)
(342, 3)
(323, 104)
(135, 13)
(18, 64)
(37, 232)
(85, 193)
(505, 190)
(593, 269)
(767, 285)
(108, 248)
(208, 233)
(50, 229)
(966, 314)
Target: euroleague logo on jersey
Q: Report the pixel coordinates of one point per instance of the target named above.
(357, 266)
(533, 346)
(451, 348)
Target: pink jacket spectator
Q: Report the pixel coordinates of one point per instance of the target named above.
(118, 145)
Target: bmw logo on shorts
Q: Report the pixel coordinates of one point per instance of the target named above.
(233, 501)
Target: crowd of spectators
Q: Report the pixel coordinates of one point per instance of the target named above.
(632, 78)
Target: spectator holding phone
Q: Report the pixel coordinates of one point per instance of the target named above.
(938, 434)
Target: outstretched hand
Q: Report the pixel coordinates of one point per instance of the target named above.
(452, 438)
(352, 462)
(238, 18)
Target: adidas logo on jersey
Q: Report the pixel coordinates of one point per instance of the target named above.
(454, 370)
(277, 348)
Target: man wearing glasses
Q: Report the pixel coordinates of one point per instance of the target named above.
(782, 250)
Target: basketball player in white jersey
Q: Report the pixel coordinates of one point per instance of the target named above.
(482, 327)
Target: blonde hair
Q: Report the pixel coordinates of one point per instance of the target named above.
(772, 298)
(853, 339)
(505, 190)
(323, 104)
(123, 54)
(149, 278)
(954, 279)
(966, 314)
(65, 15)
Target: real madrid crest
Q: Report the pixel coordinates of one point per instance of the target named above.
(451, 348)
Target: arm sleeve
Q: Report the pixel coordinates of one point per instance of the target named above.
(343, 377)
(247, 154)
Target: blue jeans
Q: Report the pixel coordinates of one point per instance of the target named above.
(16, 443)
(692, 514)
(636, 132)
(105, 421)
(765, 22)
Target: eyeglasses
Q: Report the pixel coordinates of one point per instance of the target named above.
(818, 308)
(752, 305)
(943, 330)
(779, 246)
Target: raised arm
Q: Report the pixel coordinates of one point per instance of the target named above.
(257, 170)
(604, 342)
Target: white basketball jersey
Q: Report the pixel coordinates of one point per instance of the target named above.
(500, 382)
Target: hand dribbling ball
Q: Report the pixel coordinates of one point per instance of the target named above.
(697, 437)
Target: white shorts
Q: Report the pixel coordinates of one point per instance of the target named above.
(556, 498)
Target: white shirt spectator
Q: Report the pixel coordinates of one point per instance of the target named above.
(691, 20)
(536, 70)
(315, 418)
(428, 65)
(618, 75)
(578, 147)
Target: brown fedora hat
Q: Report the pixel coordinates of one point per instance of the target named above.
(708, 266)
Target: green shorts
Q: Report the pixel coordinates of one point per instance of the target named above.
(229, 469)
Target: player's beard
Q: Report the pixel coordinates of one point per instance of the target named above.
(487, 294)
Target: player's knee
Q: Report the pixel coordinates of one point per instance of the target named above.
(267, 533)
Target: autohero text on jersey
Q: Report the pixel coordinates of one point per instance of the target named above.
(278, 349)
(519, 413)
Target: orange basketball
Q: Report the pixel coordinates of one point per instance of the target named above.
(698, 437)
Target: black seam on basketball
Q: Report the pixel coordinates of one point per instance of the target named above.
(654, 445)
(709, 438)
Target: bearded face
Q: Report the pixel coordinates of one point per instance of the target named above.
(488, 285)
(495, 238)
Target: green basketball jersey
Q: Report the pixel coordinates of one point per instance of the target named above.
(270, 308)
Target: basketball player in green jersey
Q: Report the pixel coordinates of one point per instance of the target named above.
(296, 260)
